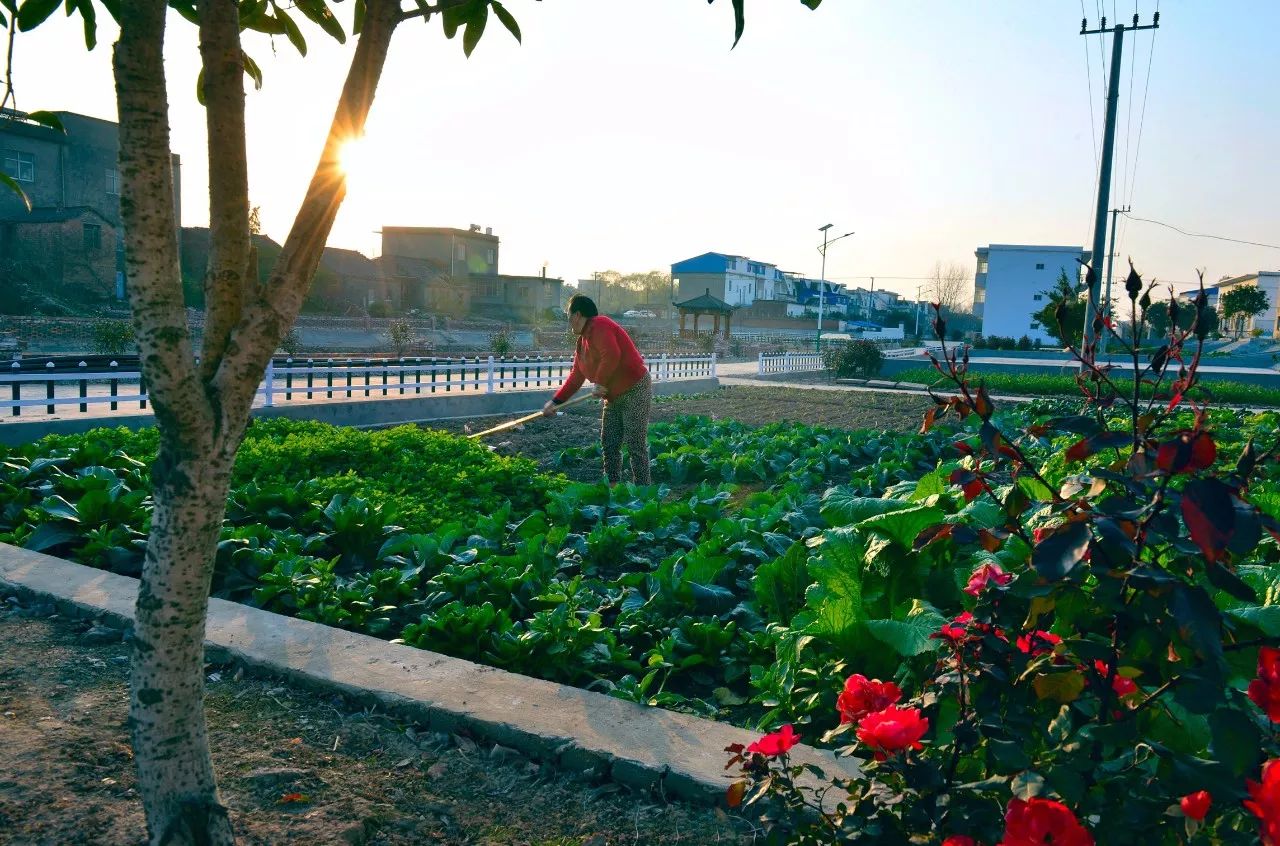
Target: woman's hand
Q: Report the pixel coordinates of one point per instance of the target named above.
(549, 410)
(598, 391)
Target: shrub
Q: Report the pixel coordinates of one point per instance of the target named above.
(400, 334)
(853, 358)
(113, 337)
(1024, 343)
(291, 343)
(500, 342)
(382, 308)
(1255, 333)
(1114, 667)
(706, 343)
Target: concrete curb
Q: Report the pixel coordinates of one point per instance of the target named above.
(648, 749)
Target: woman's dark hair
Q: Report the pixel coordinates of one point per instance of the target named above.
(582, 304)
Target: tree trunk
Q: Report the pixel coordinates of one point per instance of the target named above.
(202, 413)
(191, 474)
(171, 746)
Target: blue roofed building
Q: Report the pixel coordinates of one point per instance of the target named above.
(758, 288)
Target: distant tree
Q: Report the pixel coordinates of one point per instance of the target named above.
(1063, 291)
(951, 286)
(1241, 303)
(255, 220)
(1158, 318)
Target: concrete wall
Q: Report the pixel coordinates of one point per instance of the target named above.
(360, 413)
(1017, 280)
(456, 251)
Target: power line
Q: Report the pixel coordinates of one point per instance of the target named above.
(1088, 70)
(1204, 235)
(1142, 121)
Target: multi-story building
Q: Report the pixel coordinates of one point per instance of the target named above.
(1012, 283)
(456, 270)
(758, 287)
(1268, 322)
(70, 242)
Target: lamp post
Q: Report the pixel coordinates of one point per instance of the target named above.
(822, 283)
(919, 288)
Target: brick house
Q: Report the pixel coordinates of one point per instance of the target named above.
(70, 243)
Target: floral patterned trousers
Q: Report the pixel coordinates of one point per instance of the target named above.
(625, 421)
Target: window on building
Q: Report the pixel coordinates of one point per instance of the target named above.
(1039, 265)
(488, 255)
(92, 236)
(460, 252)
(20, 167)
(113, 182)
(982, 265)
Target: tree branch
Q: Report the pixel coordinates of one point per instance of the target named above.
(269, 316)
(150, 227)
(225, 279)
(425, 10)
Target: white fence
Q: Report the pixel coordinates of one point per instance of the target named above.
(809, 362)
(109, 389)
(788, 363)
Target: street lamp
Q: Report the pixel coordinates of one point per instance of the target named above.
(919, 288)
(822, 283)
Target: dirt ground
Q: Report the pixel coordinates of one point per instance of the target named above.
(293, 766)
(543, 440)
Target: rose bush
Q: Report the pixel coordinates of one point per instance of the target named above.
(1106, 669)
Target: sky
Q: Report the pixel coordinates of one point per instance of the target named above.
(627, 135)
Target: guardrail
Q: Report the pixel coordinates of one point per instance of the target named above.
(321, 379)
(809, 362)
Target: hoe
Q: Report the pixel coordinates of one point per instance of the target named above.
(527, 418)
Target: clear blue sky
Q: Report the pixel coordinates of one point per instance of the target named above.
(627, 135)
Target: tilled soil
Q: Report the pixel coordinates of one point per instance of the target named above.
(294, 767)
(543, 440)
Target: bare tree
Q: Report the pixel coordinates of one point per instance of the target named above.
(951, 286)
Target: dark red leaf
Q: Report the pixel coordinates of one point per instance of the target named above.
(1094, 443)
(1210, 515)
(933, 533)
(1188, 452)
(1058, 552)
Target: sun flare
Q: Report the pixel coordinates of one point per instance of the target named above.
(355, 159)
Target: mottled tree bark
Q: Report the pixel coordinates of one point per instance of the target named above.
(202, 412)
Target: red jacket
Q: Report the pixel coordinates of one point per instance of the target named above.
(607, 357)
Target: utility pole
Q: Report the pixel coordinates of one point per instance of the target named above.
(1111, 263)
(1108, 148)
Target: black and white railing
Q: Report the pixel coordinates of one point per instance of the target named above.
(99, 390)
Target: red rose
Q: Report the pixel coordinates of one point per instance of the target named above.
(777, 743)
(1038, 642)
(892, 730)
(984, 575)
(862, 696)
(1264, 802)
(959, 840)
(1196, 805)
(1265, 689)
(955, 631)
(1042, 821)
(1122, 685)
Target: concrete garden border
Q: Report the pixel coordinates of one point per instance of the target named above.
(647, 749)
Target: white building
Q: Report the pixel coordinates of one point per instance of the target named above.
(1269, 320)
(1012, 282)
